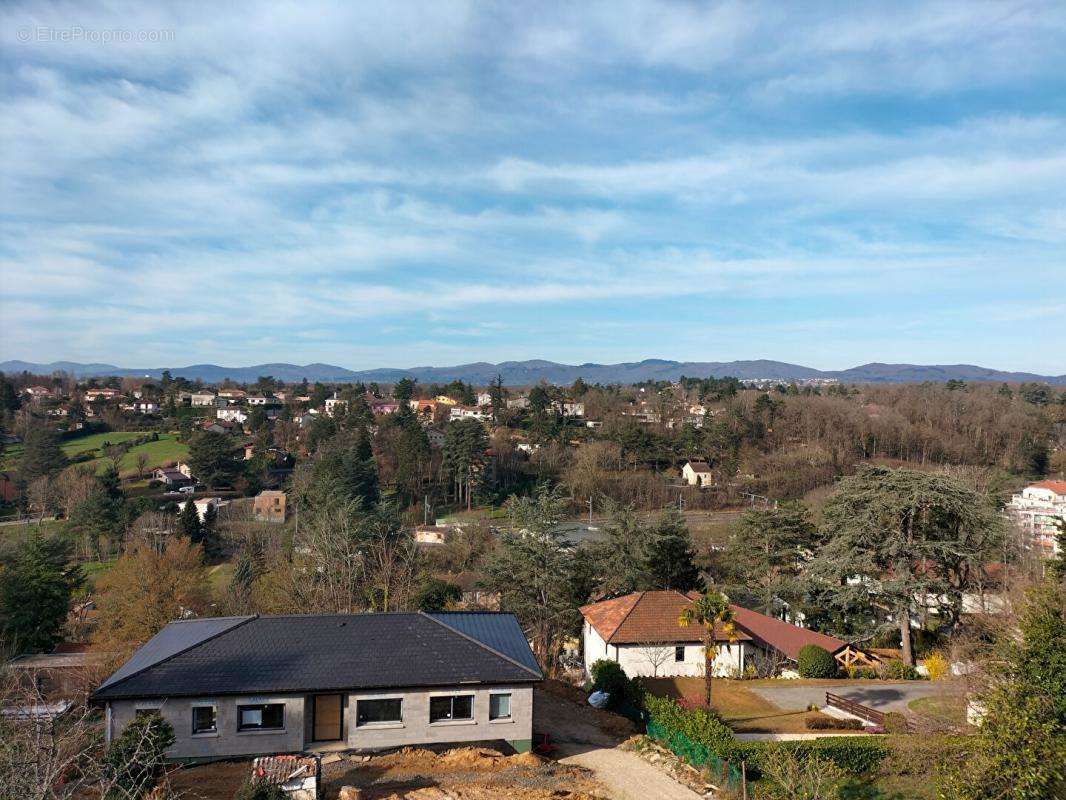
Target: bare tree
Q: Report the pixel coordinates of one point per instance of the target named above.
(141, 462)
(656, 654)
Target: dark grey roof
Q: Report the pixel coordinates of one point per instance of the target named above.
(174, 638)
(323, 652)
(501, 632)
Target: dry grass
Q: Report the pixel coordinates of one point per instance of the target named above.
(744, 710)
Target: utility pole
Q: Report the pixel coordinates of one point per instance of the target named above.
(425, 513)
(590, 509)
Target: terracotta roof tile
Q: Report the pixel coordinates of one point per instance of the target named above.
(1058, 487)
(652, 617)
(648, 617)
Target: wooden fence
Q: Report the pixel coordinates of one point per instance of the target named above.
(861, 711)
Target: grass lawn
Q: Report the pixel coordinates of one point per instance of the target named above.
(949, 709)
(166, 450)
(742, 709)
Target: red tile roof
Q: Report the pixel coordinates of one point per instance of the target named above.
(648, 617)
(1058, 487)
(652, 617)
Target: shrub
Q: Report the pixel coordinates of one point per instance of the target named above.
(788, 776)
(896, 670)
(259, 790)
(698, 724)
(868, 672)
(134, 760)
(816, 662)
(823, 723)
(937, 666)
(855, 755)
(895, 722)
(608, 676)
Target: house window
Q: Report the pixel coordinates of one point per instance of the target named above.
(499, 706)
(203, 719)
(679, 652)
(370, 712)
(460, 706)
(261, 717)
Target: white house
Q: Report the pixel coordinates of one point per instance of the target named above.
(641, 632)
(202, 399)
(335, 405)
(202, 505)
(233, 414)
(262, 400)
(484, 399)
(697, 473)
(468, 412)
(1038, 510)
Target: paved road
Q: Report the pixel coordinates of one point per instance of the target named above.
(882, 696)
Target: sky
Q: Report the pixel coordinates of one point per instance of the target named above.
(404, 183)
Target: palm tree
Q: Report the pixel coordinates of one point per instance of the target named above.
(710, 611)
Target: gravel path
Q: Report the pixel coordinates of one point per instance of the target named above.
(882, 696)
(626, 775)
(581, 742)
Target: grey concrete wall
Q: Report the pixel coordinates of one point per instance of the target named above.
(228, 741)
(417, 729)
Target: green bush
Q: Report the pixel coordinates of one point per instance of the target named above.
(135, 758)
(856, 755)
(698, 724)
(822, 723)
(896, 670)
(608, 676)
(259, 790)
(869, 673)
(816, 662)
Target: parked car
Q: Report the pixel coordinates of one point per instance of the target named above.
(187, 489)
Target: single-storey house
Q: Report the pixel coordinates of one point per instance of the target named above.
(171, 477)
(642, 633)
(269, 506)
(242, 686)
(697, 473)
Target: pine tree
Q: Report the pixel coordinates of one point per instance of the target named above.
(41, 454)
(189, 522)
(35, 592)
(671, 557)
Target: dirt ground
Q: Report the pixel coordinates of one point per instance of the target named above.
(464, 773)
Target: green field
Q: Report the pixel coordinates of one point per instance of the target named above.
(166, 450)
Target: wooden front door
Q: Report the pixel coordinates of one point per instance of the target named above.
(328, 716)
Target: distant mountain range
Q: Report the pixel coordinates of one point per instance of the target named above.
(522, 373)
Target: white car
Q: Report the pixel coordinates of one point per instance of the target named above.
(187, 489)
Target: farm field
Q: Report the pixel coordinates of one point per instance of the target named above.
(166, 450)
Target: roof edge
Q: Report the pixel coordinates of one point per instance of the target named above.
(243, 621)
(538, 673)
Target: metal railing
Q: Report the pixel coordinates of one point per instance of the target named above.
(861, 711)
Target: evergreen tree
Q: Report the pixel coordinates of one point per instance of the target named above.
(213, 458)
(404, 390)
(766, 554)
(41, 454)
(465, 443)
(671, 557)
(189, 522)
(35, 592)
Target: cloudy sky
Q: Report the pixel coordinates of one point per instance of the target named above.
(405, 183)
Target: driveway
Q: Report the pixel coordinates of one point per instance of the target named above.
(582, 742)
(884, 696)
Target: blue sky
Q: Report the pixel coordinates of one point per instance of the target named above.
(403, 184)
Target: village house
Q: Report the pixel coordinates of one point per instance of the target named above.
(232, 415)
(697, 473)
(232, 394)
(1038, 510)
(244, 686)
(484, 399)
(262, 400)
(445, 400)
(203, 505)
(334, 405)
(517, 402)
(98, 395)
(641, 632)
(203, 399)
(171, 477)
(469, 412)
(382, 408)
(269, 506)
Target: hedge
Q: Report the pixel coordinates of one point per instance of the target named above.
(854, 754)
